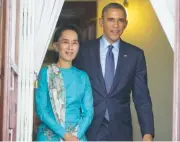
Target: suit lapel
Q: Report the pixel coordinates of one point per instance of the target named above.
(120, 66)
(99, 74)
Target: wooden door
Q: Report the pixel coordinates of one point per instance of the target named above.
(9, 69)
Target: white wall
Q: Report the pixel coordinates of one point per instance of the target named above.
(165, 11)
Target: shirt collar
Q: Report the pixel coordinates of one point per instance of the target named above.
(106, 43)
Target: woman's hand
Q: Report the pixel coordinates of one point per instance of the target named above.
(69, 137)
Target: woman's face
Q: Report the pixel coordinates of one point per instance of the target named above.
(67, 45)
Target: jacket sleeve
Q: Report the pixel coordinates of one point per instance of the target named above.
(86, 108)
(141, 98)
(42, 109)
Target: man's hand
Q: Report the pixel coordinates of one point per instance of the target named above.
(147, 137)
(69, 137)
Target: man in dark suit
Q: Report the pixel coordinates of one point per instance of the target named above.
(116, 68)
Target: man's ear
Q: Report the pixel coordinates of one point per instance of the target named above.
(55, 46)
(101, 22)
(126, 24)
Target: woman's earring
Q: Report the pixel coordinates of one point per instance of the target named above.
(56, 50)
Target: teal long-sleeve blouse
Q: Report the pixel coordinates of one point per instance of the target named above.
(79, 104)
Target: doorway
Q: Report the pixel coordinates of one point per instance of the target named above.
(81, 13)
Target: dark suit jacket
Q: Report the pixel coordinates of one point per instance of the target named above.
(130, 76)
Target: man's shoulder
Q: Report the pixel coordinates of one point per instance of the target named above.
(132, 48)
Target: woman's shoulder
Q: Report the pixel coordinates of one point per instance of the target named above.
(80, 72)
(42, 76)
(43, 70)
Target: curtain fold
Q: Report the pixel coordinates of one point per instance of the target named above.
(45, 22)
(37, 22)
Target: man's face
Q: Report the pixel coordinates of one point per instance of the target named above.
(113, 23)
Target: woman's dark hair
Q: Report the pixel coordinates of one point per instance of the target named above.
(61, 29)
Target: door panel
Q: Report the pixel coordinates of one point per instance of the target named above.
(9, 67)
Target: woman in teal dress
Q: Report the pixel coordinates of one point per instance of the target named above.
(63, 99)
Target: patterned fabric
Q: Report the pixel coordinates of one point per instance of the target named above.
(49, 134)
(57, 95)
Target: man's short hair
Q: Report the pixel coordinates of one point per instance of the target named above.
(116, 6)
